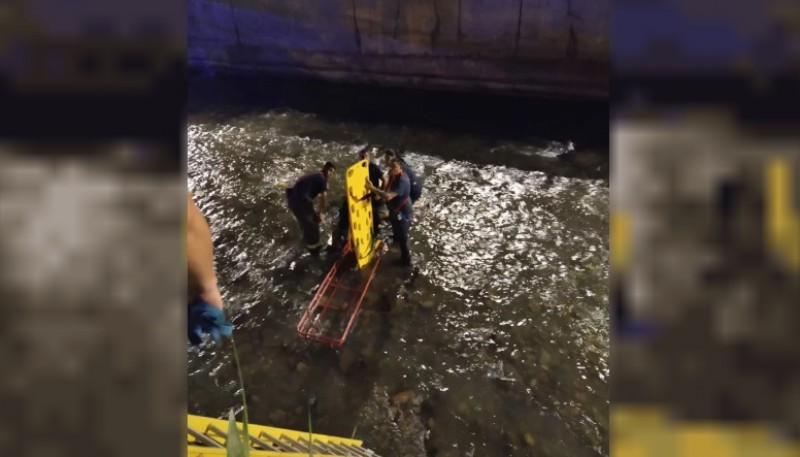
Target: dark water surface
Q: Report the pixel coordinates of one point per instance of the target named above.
(503, 335)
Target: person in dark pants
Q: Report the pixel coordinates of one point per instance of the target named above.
(398, 200)
(416, 181)
(342, 229)
(376, 178)
(301, 202)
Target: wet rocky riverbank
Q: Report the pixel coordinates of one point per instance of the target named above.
(497, 346)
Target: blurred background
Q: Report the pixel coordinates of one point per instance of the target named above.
(704, 228)
(92, 200)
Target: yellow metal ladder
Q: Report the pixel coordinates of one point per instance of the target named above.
(208, 437)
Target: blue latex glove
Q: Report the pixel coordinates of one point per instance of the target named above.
(207, 318)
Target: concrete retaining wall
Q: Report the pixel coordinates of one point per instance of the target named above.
(553, 48)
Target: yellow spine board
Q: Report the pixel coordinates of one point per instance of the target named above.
(782, 219)
(646, 431)
(360, 212)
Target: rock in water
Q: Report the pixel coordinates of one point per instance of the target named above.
(428, 304)
(462, 408)
(401, 435)
(529, 439)
(277, 417)
(347, 360)
(544, 358)
(367, 352)
(371, 297)
(396, 303)
(401, 398)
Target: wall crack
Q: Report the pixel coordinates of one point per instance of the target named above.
(519, 29)
(437, 26)
(396, 20)
(460, 33)
(572, 42)
(356, 30)
(235, 27)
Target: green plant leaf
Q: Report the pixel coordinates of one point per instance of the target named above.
(234, 446)
(245, 417)
(310, 435)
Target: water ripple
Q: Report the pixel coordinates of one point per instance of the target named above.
(505, 329)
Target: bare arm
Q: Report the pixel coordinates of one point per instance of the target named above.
(387, 195)
(323, 202)
(200, 253)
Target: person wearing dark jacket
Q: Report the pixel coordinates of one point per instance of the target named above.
(376, 178)
(301, 198)
(342, 229)
(396, 194)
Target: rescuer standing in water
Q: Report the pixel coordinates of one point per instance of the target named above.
(416, 182)
(301, 202)
(397, 197)
(205, 315)
(342, 227)
(376, 178)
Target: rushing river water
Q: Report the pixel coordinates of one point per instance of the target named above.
(497, 347)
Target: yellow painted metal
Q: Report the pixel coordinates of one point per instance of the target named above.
(782, 220)
(620, 240)
(649, 431)
(201, 424)
(360, 212)
(197, 451)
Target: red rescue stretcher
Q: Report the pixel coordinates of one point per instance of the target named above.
(332, 312)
